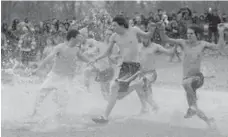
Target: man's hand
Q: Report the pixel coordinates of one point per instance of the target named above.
(151, 26)
(92, 62)
(173, 51)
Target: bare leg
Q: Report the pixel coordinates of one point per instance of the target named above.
(190, 93)
(61, 101)
(115, 94)
(43, 93)
(192, 102)
(105, 88)
(178, 56)
(149, 99)
(87, 78)
(112, 100)
(139, 90)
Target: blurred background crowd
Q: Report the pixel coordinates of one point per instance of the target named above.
(30, 27)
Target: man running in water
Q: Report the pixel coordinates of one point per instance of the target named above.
(66, 56)
(126, 38)
(148, 75)
(107, 66)
(103, 72)
(90, 50)
(192, 76)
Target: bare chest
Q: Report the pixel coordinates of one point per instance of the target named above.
(193, 53)
(68, 54)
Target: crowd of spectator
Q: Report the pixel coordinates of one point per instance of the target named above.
(25, 40)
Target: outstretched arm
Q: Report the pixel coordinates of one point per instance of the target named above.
(49, 57)
(143, 34)
(165, 38)
(82, 57)
(109, 50)
(164, 50)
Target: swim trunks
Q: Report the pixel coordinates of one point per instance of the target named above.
(127, 69)
(198, 80)
(148, 78)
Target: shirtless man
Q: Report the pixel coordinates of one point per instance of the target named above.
(126, 38)
(148, 75)
(192, 77)
(105, 71)
(66, 56)
(90, 50)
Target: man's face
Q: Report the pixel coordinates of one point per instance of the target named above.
(41, 24)
(142, 27)
(151, 14)
(160, 12)
(191, 35)
(76, 40)
(146, 42)
(131, 23)
(116, 27)
(138, 19)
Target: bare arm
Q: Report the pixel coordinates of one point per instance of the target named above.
(165, 38)
(143, 34)
(49, 57)
(82, 57)
(221, 41)
(164, 50)
(109, 50)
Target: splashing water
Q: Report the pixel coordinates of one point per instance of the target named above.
(19, 96)
(19, 93)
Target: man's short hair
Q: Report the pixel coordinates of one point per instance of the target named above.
(120, 20)
(73, 33)
(197, 30)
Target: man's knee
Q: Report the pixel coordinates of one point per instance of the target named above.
(115, 86)
(186, 83)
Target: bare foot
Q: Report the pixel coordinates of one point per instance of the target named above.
(155, 108)
(211, 123)
(34, 118)
(143, 112)
(190, 113)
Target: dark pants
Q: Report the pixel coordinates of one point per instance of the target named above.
(213, 31)
(25, 56)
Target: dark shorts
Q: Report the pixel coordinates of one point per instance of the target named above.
(198, 81)
(127, 69)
